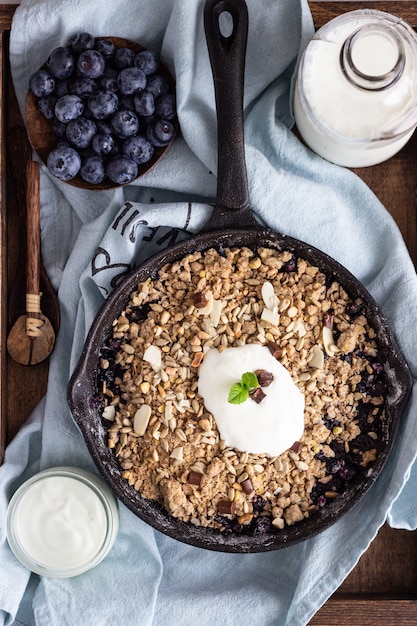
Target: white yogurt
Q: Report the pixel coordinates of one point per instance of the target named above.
(270, 427)
(355, 103)
(62, 522)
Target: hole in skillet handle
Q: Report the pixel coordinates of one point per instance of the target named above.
(226, 29)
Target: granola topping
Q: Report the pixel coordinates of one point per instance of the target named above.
(168, 442)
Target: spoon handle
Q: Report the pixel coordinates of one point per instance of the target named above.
(33, 229)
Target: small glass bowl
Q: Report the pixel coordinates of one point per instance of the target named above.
(61, 507)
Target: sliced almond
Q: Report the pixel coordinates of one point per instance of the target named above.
(316, 359)
(328, 341)
(299, 328)
(272, 317)
(109, 413)
(177, 454)
(153, 356)
(216, 312)
(141, 419)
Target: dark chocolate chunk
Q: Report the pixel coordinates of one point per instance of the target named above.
(264, 378)
(257, 394)
(195, 478)
(274, 349)
(247, 486)
(226, 507)
(200, 300)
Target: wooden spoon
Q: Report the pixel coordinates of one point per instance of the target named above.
(32, 337)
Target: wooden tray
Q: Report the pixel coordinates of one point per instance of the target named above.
(382, 589)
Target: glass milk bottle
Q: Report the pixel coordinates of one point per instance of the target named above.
(355, 97)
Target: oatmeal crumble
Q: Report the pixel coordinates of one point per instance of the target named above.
(168, 444)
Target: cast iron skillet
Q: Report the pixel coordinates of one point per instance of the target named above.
(232, 224)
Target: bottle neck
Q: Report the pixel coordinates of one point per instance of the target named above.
(373, 57)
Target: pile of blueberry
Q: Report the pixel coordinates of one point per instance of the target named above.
(110, 107)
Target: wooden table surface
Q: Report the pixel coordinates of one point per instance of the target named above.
(382, 589)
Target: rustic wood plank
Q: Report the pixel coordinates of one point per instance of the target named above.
(324, 11)
(3, 259)
(6, 15)
(27, 385)
(388, 567)
(366, 612)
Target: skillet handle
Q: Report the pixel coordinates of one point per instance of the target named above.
(227, 52)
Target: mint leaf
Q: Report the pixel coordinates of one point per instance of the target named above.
(249, 379)
(238, 393)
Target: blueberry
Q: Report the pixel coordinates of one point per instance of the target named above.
(80, 132)
(138, 148)
(124, 123)
(60, 62)
(59, 129)
(160, 133)
(122, 170)
(41, 83)
(157, 85)
(290, 265)
(124, 57)
(91, 64)
(68, 108)
(106, 48)
(126, 102)
(103, 127)
(262, 525)
(46, 106)
(144, 103)
(165, 106)
(83, 87)
(147, 61)
(62, 87)
(103, 144)
(108, 80)
(258, 503)
(64, 162)
(81, 42)
(355, 308)
(321, 501)
(93, 170)
(131, 80)
(103, 104)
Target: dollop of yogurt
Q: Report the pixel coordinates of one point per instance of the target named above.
(270, 427)
(61, 522)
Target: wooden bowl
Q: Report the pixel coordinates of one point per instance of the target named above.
(43, 139)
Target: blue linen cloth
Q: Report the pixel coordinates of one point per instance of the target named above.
(150, 579)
